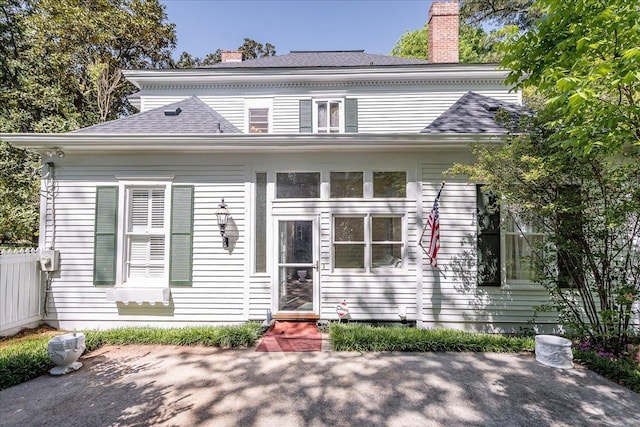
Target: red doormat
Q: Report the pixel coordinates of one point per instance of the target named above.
(291, 336)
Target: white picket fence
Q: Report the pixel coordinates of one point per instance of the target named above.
(20, 290)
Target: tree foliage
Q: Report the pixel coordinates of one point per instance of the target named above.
(61, 64)
(250, 49)
(575, 170)
(186, 60)
(19, 191)
(475, 45)
(500, 13)
(65, 59)
(585, 57)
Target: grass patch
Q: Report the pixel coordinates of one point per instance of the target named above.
(355, 337)
(25, 358)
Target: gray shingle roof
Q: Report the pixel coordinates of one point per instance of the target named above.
(194, 117)
(474, 113)
(340, 58)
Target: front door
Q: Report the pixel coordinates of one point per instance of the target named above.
(297, 278)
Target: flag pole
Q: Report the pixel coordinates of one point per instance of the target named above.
(440, 191)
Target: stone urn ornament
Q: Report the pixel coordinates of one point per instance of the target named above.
(64, 351)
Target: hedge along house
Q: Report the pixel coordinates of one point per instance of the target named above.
(326, 165)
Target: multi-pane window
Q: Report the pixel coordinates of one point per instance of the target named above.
(513, 246)
(346, 184)
(258, 120)
(389, 184)
(146, 233)
(367, 242)
(328, 116)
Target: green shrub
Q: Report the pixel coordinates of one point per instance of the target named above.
(356, 337)
(25, 359)
(622, 370)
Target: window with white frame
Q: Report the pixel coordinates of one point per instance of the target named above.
(349, 242)
(523, 243)
(329, 116)
(386, 241)
(508, 244)
(367, 242)
(389, 184)
(258, 120)
(258, 115)
(146, 233)
(303, 185)
(346, 185)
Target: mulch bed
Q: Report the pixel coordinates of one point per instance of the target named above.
(40, 330)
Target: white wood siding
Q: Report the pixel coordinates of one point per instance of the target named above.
(218, 291)
(398, 109)
(225, 289)
(451, 297)
(412, 110)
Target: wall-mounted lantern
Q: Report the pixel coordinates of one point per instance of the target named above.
(223, 216)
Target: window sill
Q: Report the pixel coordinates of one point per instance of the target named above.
(139, 295)
(522, 285)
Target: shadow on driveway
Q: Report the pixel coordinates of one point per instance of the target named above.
(198, 386)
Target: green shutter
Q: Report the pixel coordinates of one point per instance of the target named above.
(306, 124)
(351, 115)
(181, 257)
(489, 256)
(104, 250)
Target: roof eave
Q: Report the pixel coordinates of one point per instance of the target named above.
(440, 72)
(244, 143)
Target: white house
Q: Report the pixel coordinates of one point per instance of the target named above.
(328, 164)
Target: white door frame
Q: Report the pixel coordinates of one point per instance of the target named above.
(275, 282)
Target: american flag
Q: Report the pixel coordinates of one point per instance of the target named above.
(434, 223)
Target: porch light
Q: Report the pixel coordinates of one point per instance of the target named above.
(223, 216)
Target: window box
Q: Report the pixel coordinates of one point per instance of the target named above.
(139, 295)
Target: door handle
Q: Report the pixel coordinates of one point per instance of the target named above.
(315, 265)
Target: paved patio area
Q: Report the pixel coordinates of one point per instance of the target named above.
(198, 386)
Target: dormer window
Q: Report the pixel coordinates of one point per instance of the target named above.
(258, 120)
(258, 115)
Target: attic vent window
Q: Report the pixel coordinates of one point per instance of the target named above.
(490, 106)
(173, 112)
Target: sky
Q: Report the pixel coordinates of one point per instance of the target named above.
(202, 26)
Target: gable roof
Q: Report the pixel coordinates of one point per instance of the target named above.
(332, 58)
(187, 116)
(474, 113)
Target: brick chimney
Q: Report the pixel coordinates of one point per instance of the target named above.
(444, 25)
(231, 56)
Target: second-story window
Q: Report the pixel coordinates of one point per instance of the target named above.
(339, 115)
(258, 120)
(329, 115)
